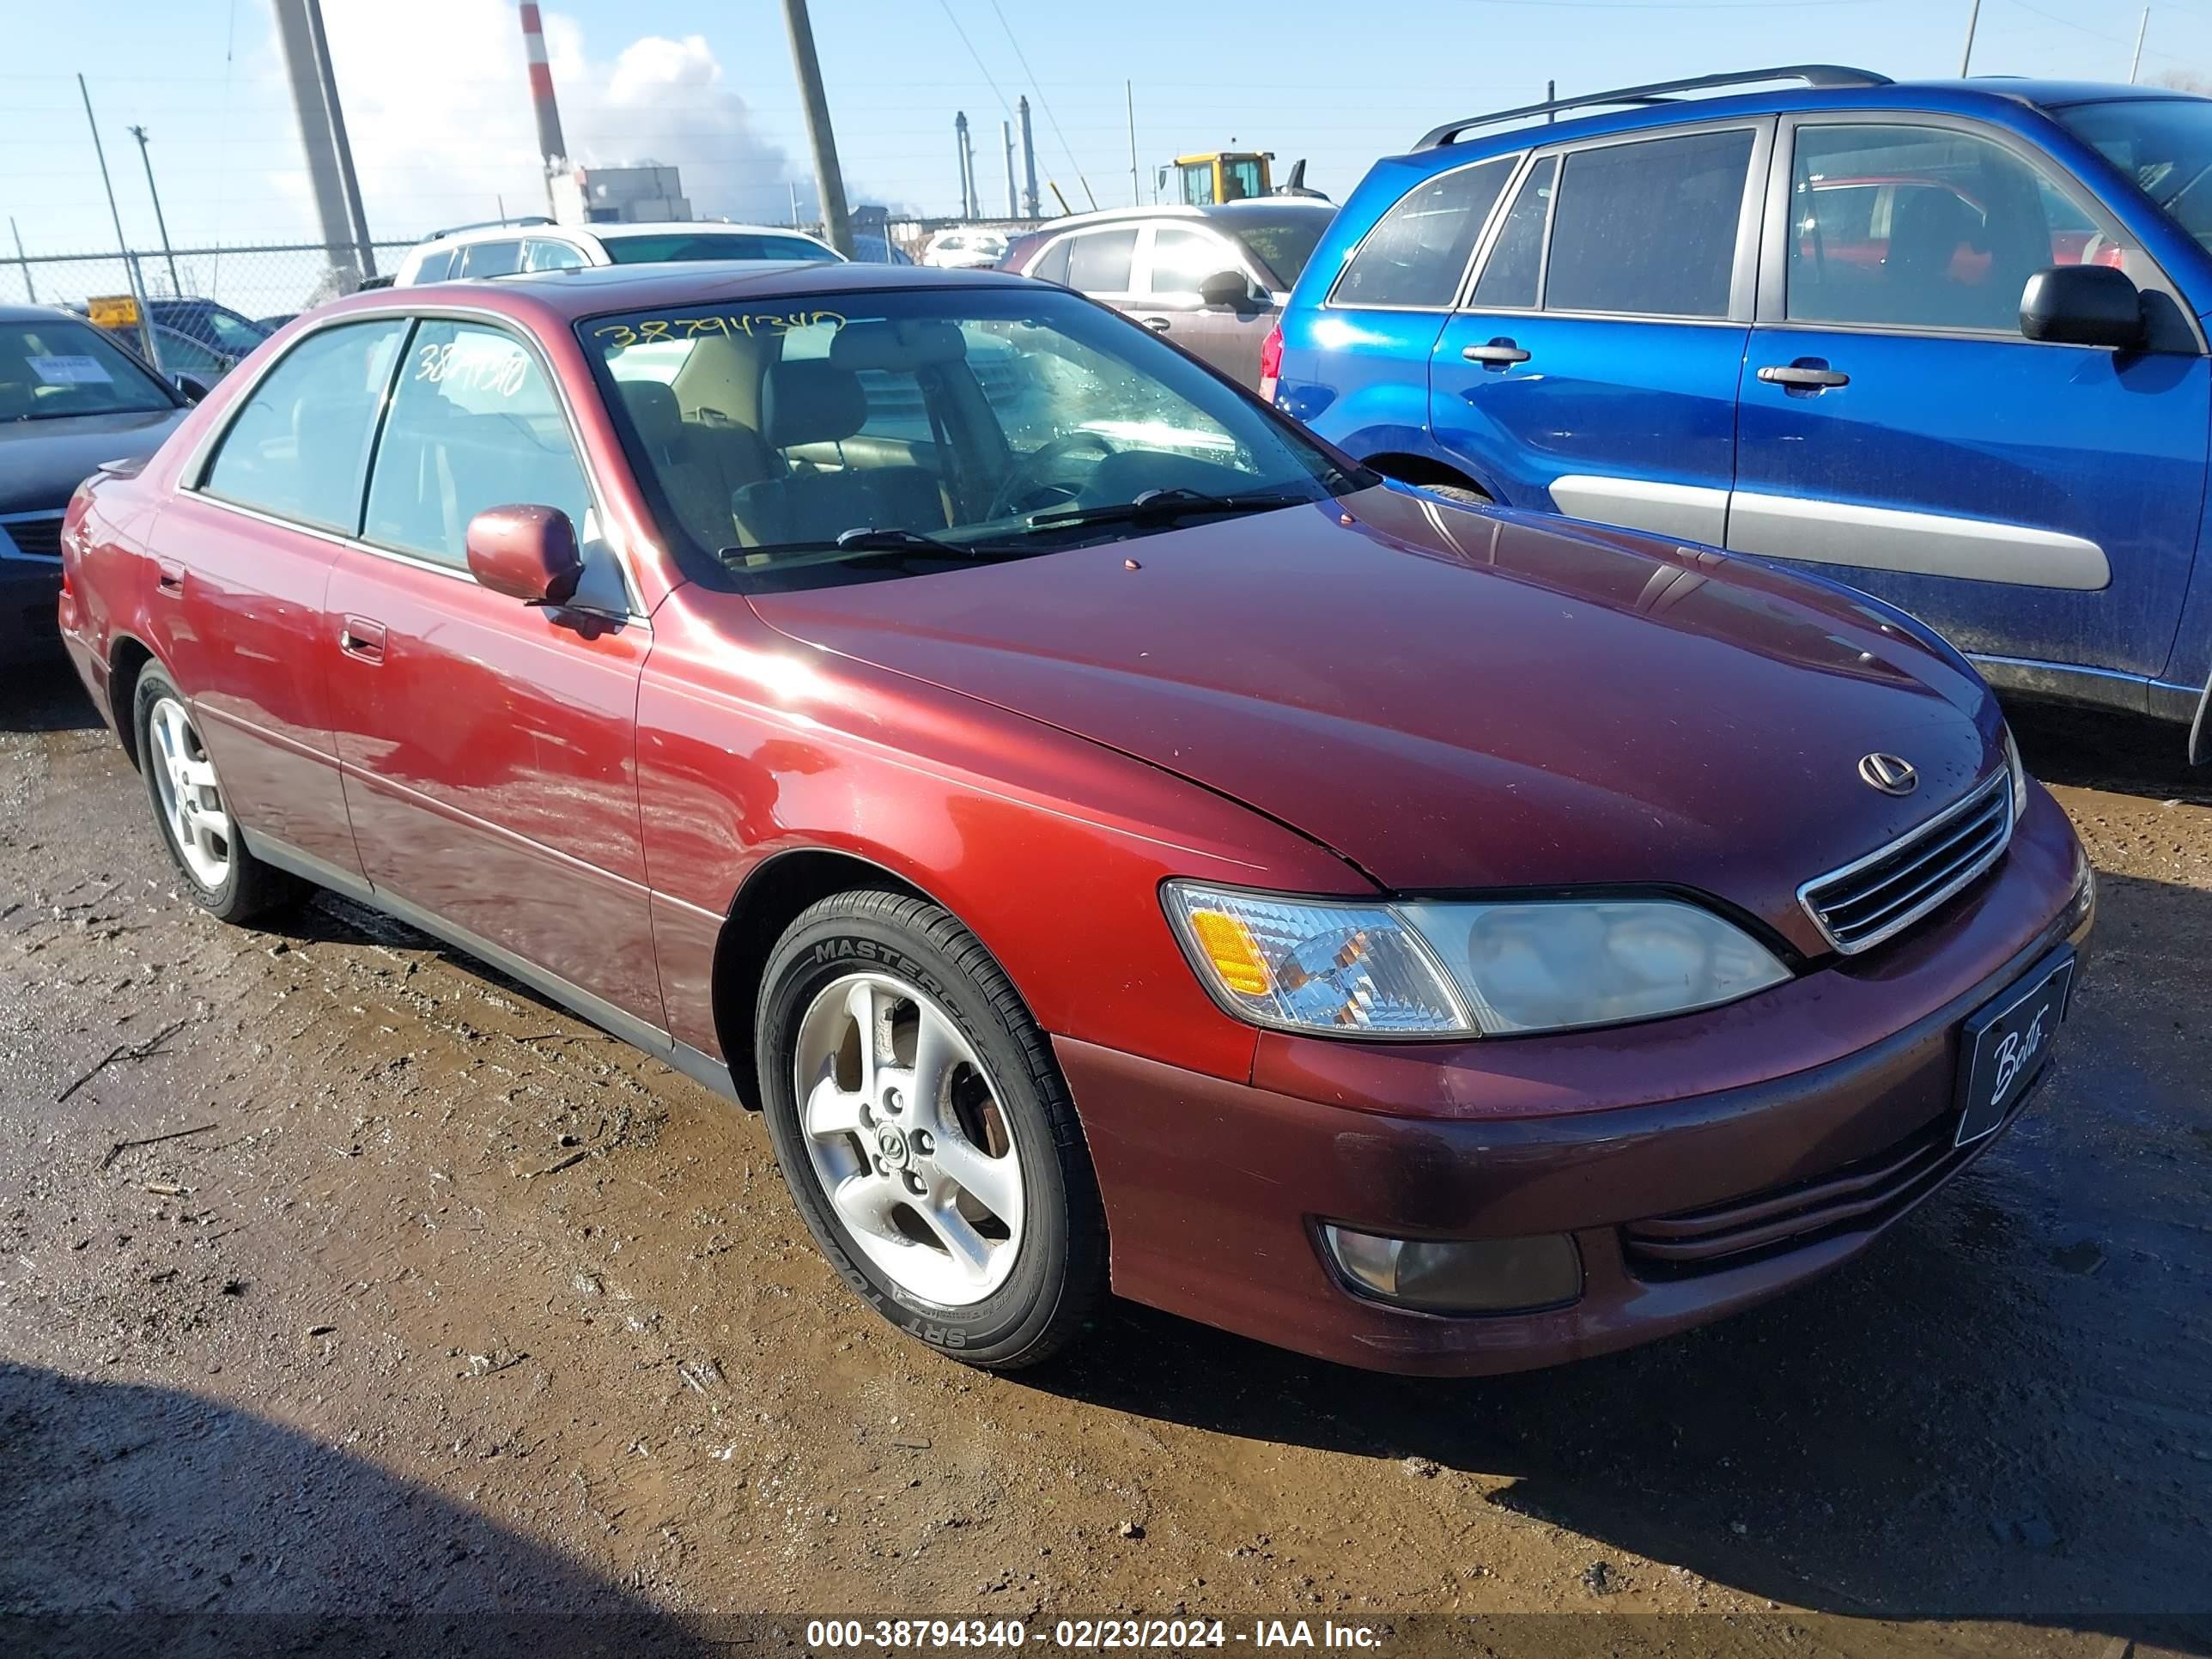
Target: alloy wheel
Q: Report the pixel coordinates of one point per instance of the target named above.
(905, 1133)
(191, 798)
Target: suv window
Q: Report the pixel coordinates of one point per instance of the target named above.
(1510, 274)
(1418, 251)
(490, 259)
(1954, 226)
(435, 265)
(1182, 259)
(1098, 262)
(1053, 267)
(1649, 228)
(473, 424)
(546, 254)
(297, 445)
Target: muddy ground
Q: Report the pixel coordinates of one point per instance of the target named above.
(442, 1305)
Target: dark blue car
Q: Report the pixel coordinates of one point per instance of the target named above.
(1941, 342)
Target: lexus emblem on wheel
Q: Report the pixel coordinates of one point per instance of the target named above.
(1889, 775)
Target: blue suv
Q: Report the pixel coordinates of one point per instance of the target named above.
(1941, 342)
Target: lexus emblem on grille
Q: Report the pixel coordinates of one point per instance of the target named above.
(1889, 775)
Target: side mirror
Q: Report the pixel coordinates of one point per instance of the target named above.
(191, 386)
(1225, 290)
(527, 553)
(2082, 305)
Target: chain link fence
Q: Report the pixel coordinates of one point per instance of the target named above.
(270, 280)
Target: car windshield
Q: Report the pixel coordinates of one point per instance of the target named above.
(226, 330)
(687, 245)
(840, 437)
(1284, 244)
(50, 370)
(2165, 145)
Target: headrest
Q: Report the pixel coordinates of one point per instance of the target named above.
(652, 407)
(810, 402)
(901, 343)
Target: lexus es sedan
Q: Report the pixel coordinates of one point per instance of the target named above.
(1117, 842)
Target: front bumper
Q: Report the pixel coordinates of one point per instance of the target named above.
(29, 590)
(1829, 1091)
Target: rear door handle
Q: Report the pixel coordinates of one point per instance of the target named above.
(360, 637)
(1808, 373)
(1499, 353)
(169, 579)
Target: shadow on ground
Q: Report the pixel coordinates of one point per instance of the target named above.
(2089, 749)
(1999, 1411)
(43, 696)
(145, 1520)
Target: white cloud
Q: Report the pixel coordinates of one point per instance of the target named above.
(447, 135)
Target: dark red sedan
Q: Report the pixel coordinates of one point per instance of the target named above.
(1118, 842)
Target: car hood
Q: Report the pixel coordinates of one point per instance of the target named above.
(42, 462)
(1455, 699)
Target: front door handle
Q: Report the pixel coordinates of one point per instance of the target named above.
(1808, 373)
(1499, 353)
(1158, 325)
(361, 638)
(169, 579)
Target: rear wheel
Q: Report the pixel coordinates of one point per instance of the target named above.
(222, 877)
(925, 1132)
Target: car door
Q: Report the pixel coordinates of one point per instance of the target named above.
(245, 554)
(2030, 500)
(490, 747)
(1592, 367)
(1173, 260)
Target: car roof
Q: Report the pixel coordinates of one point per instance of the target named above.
(611, 233)
(1977, 95)
(595, 290)
(1244, 208)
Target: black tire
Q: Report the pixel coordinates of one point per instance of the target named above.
(1059, 1274)
(249, 888)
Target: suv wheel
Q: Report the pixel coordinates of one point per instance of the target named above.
(925, 1132)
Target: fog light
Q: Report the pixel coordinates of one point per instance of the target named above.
(1461, 1275)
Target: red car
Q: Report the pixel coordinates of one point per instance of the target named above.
(1117, 840)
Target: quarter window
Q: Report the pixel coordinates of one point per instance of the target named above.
(491, 259)
(1650, 229)
(300, 441)
(1516, 263)
(1944, 228)
(1418, 251)
(1053, 267)
(546, 254)
(1099, 262)
(473, 425)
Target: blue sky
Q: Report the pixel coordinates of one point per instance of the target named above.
(436, 101)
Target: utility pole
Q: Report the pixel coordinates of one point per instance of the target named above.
(2141, 29)
(1136, 190)
(1006, 138)
(836, 223)
(1028, 160)
(30, 287)
(146, 155)
(1550, 96)
(122, 242)
(322, 137)
(1966, 58)
(960, 159)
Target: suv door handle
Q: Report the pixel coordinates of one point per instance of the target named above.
(1808, 373)
(1499, 353)
(360, 637)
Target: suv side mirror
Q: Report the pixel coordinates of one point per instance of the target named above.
(527, 553)
(1225, 290)
(2082, 305)
(191, 386)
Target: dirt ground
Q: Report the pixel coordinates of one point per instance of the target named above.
(439, 1306)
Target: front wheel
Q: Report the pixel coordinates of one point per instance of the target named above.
(925, 1133)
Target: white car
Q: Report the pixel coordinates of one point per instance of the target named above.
(964, 248)
(505, 246)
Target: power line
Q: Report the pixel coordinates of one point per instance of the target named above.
(982, 68)
(1037, 87)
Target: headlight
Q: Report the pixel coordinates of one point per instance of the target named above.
(1441, 969)
(2019, 776)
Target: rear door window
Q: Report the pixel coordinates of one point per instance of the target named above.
(1418, 251)
(299, 444)
(1099, 262)
(1649, 228)
(491, 259)
(1182, 259)
(1515, 264)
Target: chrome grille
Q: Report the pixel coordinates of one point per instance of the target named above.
(38, 534)
(1862, 904)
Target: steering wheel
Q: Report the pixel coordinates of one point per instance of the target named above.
(1029, 478)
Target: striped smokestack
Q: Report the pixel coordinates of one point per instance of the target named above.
(551, 145)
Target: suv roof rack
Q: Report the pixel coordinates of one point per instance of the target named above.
(1812, 75)
(488, 224)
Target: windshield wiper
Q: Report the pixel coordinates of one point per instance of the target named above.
(864, 538)
(1160, 506)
